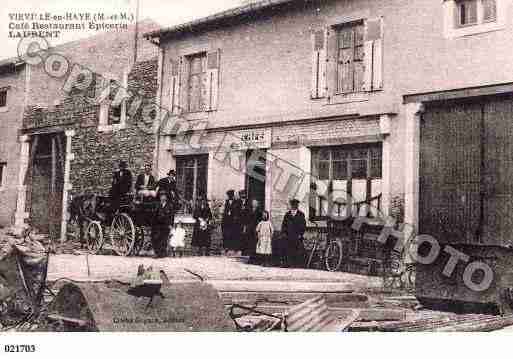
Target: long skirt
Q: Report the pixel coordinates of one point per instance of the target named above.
(232, 237)
(200, 238)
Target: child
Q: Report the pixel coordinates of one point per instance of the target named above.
(177, 240)
(264, 232)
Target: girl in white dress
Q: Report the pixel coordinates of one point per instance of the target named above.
(264, 232)
(177, 240)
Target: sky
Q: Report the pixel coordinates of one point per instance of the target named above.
(164, 12)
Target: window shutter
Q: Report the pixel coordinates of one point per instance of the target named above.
(331, 62)
(213, 59)
(373, 61)
(319, 63)
(175, 85)
(183, 95)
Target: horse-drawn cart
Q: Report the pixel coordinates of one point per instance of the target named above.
(100, 226)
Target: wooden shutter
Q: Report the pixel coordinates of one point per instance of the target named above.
(184, 85)
(331, 64)
(373, 60)
(176, 65)
(319, 63)
(213, 60)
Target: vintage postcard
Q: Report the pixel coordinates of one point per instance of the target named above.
(255, 166)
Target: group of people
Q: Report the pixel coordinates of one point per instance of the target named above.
(248, 230)
(246, 226)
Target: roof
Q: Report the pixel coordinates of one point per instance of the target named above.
(244, 10)
(9, 65)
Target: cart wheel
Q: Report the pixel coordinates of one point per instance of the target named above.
(94, 237)
(122, 234)
(410, 276)
(139, 242)
(333, 256)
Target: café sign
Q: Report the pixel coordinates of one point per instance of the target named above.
(250, 139)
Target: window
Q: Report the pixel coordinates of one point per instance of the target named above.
(468, 17)
(113, 104)
(191, 177)
(114, 109)
(3, 166)
(3, 98)
(335, 169)
(350, 66)
(197, 91)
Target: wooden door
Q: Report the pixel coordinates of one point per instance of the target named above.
(450, 172)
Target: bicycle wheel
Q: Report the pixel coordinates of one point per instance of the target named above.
(333, 255)
(94, 237)
(139, 242)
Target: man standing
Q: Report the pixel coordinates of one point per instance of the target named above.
(145, 182)
(244, 221)
(231, 224)
(121, 185)
(161, 226)
(292, 230)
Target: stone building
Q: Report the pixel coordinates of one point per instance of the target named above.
(77, 122)
(12, 100)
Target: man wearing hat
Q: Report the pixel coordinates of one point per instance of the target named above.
(292, 230)
(168, 185)
(162, 222)
(121, 184)
(244, 220)
(231, 224)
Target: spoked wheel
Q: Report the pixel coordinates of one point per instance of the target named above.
(333, 256)
(122, 234)
(393, 271)
(139, 242)
(94, 237)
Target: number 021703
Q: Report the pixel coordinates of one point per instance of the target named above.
(19, 348)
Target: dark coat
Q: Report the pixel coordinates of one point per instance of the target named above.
(169, 186)
(201, 238)
(121, 183)
(292, 230)
(140, 182)
(231, 225)
(253, 217)
(163, 216)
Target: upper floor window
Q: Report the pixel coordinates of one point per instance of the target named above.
(350, 55)
(3, 166)
(3, 98)
(473, 12)
(468, 17)
(197, 90)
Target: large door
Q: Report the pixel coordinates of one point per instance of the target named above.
(466, 172)
(256, 174)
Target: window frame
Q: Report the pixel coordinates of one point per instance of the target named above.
(5, 106)
(196, 168)
(454, 29)
(3, 174)
(350, 149)
(104, 123)
(189, 58)
(338, 29)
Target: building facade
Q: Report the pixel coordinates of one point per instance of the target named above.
(80, 119)
(338, 99)
(12, 100)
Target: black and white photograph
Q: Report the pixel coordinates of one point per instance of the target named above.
(255, 167)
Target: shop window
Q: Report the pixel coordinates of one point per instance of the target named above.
(337, 168)
(192, 175)
(197, 91)
(3, 167)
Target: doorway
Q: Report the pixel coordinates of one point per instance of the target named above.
(255, 175)
(46, 185)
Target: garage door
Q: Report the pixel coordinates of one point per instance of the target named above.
(466, 172)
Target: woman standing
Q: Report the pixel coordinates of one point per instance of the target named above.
(201, 232)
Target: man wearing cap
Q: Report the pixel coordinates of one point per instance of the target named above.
(162, 222)
(121, 184)
(231, 224)
(292, 230)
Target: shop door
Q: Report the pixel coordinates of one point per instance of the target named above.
(255, 175)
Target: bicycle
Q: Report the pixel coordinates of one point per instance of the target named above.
(332, 254)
